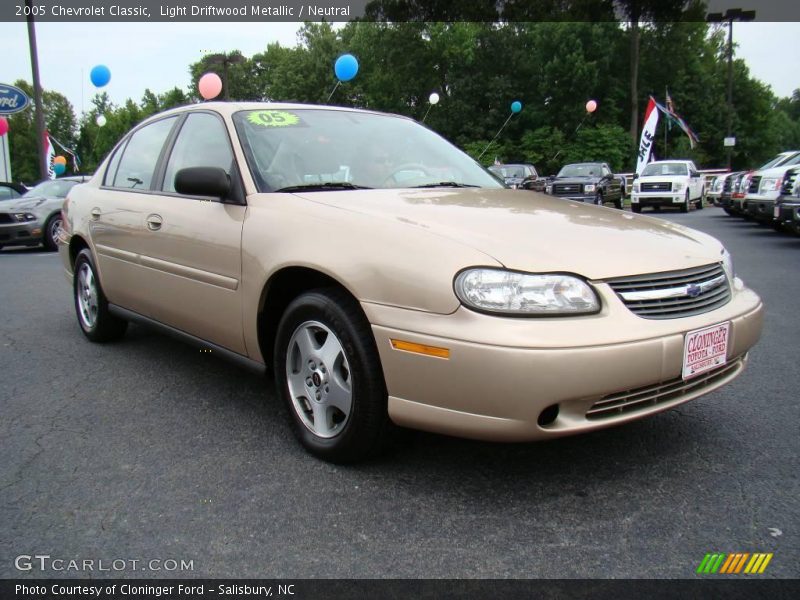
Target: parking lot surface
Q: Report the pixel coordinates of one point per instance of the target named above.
(149, 450)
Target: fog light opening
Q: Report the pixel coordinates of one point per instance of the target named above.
(548, 415)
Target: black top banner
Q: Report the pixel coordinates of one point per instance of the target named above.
(395, 10)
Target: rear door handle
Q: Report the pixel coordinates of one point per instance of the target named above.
(96, 212)
(154, 222)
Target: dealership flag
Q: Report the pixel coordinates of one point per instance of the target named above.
(50, 154)
(648, 135)
(672, 116)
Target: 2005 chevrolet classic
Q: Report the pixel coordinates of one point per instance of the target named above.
(387, 279)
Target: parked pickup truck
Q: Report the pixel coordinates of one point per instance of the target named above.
(765, 187)
(593, 183)
(787, 206)
(668, 183)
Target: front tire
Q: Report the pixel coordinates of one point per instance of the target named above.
(685, 205)
(91, 306)
(329, 375)
(636, 208)
(51, 231)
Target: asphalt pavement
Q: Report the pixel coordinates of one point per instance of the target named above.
(148, 450)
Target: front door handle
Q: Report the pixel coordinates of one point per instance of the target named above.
(96, 212)
(154, 222)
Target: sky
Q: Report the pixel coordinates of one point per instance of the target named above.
(157, 55)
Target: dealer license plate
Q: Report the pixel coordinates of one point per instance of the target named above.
(705, 349)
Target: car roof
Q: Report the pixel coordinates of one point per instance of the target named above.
(231, 107)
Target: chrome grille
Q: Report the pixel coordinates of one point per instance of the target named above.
(755, 181)
(629, 401)
(789, 182)
(674, 294)
(657, 186)
(567, 188)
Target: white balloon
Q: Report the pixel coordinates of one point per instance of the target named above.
(434, 98)
(101, 120)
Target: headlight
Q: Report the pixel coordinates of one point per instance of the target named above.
(548, 189)
(24, 217)
(677, 187)
(511, 293)
(636, 187)
(727, 264)
(589, 187)
(770, 185)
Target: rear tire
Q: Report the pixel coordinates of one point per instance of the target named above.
(620, 203)
(328, 372)
(91, 306)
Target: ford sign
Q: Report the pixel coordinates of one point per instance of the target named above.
(12, 99)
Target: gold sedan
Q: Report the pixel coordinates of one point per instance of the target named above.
(387, 279)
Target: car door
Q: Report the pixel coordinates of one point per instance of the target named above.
(117, 213)
(695, 181)
(193, 244)
(611, 184)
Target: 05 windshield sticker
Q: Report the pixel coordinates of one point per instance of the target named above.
(274, 118)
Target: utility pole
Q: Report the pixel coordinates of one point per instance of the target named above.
(225, 60)
(731, 15)
(37, 92)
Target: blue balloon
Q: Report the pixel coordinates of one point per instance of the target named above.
(516, 106)
(100, 75)
(346, 67)
(59, 169)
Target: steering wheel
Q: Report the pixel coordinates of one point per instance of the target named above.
(404, 167)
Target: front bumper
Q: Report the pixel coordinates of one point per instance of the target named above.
(587, 198)
(502, 373)
(760, 209)
(658, 199)
(788, 212)
(21, 234)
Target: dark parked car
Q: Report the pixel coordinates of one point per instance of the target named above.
(519, 176)
(593, 183)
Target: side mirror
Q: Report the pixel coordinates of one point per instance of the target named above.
(203, 181)
(636, 176)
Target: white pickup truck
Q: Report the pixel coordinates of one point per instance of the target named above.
(669, 183)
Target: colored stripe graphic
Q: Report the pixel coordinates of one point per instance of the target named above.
(733, 563)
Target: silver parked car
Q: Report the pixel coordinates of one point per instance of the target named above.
(35, 218)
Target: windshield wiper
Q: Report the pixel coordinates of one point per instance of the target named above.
(323, 187)
(453, 184)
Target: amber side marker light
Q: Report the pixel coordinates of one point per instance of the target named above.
(421, 349)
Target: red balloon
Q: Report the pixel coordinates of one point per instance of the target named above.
(3, 126)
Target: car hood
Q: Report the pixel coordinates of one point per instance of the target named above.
(537, 233)
(661, 178)
(30, 203)
(582, 180)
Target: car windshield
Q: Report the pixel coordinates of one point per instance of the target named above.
(581, 170)
(56, 188)
(779, 160)
(516, 171)
(665, 169)
(287, 149)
